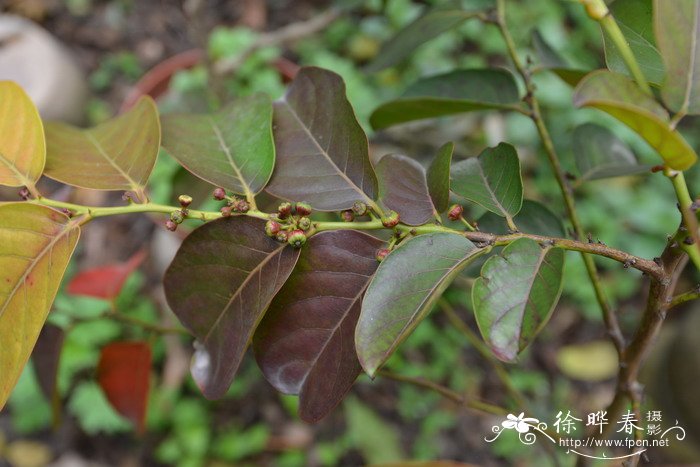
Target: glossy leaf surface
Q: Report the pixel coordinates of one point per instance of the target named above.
(105, 281)
(598, 153)
(306, 342)
(22, 144)
(620, 97)
(516, 294)
(491, 180)
(232, 148)
(635, 19)
(403, 188)
(124, 374)
(36, 243)
(116, 155)
(426, 27)
(448, 94)
(404, 290)
(322, 152)
(219, 285)
(533, 218)
(439, 177)
(677, 26)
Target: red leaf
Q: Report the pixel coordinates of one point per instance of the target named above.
(105, 281)
(124, 375)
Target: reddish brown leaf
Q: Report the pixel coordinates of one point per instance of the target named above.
(404, 189)
(219, 285)
(124, 375)
(46, 355)
(305, 344)
(105, 281)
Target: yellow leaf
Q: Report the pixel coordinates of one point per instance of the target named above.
(592, 361)
(22, 144)
(36, 243)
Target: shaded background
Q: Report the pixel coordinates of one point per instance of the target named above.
(108, 47)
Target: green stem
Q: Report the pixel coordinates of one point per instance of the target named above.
(684, 297)
(689, 220)
(609, 317)
(598, 10)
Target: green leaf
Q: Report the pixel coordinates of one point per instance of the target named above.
(232, 148)
(36, 243)
(516, 294)
(403, 188)
(373, 437)
(439, 177)
(403, 291)
(448, 94)
(219, 285)
(322, 152)
(491, 180)
(306, 343)
(22, 145)
(116, 155)
(635, 18)
(533, 218)
(620, 97)
(552, 61)
(598, 153)
(678, 29)
(426, 27)
(594, 362)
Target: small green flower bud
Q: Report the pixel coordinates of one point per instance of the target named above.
(272, 228)
(296, 238)
(226, 211)
(304, 223)
(219, 194)
(381, 254)
(242, 206)
(391, 219)
(282, 236)
(348, 215)
(359, 208)
(455, 212)
(303, 209)
(184, 200)
(171, 226)
(177, 217)
(284, 210)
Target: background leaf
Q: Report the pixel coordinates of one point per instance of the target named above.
(375, 438)
(620, 97)
(124, 374)
(635, 18)
(322, 152)
(22, 144)
(426, 27)
(451, 93)
(232, 148)
(219, 285)
(403, 188)
(533, 218)
(403, 291)
(116, 155)
(36, 243)
(306, 342)
(491, 180)
(678, 29)
(552, 61)
(46, 357)
(516, 294)
(439, 177)
(598, 153)
(105, 281)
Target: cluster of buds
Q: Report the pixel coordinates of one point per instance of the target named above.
(233, 203)
(177, 217)
(290, 224)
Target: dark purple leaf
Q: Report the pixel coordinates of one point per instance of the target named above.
(46, 355)
(219, 285)
(322, 152)
(403, 188)
(305, 345)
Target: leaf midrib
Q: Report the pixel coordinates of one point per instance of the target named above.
(224, 147)
(95, 142)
